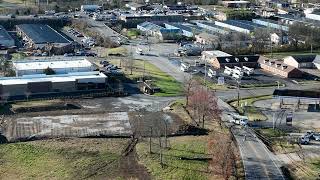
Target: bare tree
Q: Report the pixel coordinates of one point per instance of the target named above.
(223, 157)
(189, 83)
(205, 105)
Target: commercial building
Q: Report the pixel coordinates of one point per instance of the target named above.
(236, 4)
(5, 39)
(159, 32)
(250, 61)
(313, 16)
(242, 26)
(207, 39)
(271, 24)
(301, 61)
(210, 26)
(187, 29)
(220, 59)
(41, 36)
(59, 66)
(51, 84)
(279, 68)
(90, 8)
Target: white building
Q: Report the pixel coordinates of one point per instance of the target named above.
(41, 84)
(90, 8)
(62, 66)
(279, 38)
(313, 16)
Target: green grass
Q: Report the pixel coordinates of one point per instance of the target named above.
(167, 84)
(133, 33)
(175, 168)
(209, 84)
(116, 51)
(18, 56)
(64, 159)
(270, 132)
(251, 111)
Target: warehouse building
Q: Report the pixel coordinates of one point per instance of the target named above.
(271, 24)
(220, 59)
(279, 68)
(5, 39)
(236, 4)
(51, 84)
(187, 29)
(40, 36)
(210, 26)
(59, 66)
(301, 61)
(242, 26)
(159, 32)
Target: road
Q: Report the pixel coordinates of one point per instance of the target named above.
(259, 162)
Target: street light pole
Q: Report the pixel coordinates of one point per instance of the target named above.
(238, 82)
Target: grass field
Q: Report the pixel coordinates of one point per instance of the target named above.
(252, 112)
(174, 167)
(168, 85)
(61, 159)
(290, 53)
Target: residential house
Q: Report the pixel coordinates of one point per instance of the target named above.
(301, 61)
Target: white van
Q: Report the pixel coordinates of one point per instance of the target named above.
(184, 67)
(211, 73)
(139, 51)
(240, 120)
(227, 70)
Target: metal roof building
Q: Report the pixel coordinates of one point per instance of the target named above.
(212, 27)
(239, 25)
(271, 24)
(188, 30)
(5, 38)
(60, 66)
(51, 84)
(39, 35)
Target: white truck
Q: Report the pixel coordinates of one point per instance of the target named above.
(184, 67)
(239, 120)
(248, 71)
(227, 70)
(211, 73)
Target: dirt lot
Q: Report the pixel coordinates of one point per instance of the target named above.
(92, 117)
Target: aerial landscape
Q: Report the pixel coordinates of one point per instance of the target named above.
(160, 89)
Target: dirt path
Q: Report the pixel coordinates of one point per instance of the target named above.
(131, 169)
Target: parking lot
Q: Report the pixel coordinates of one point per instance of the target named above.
(258, 79)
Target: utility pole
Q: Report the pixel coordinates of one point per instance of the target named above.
(238, 82)
(273, 120)
(160, 146)
(150, 138)
(165, 134)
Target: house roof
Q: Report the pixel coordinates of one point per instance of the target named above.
(41, 33)
(150, 26)
(276, 64)
(304, 58)
(296, 93)
(238, 59)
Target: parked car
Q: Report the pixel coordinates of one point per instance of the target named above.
(316, 136)
(92, 54)
(304, 140)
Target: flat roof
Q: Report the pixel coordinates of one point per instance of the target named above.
(53, 64)
(186, 27)
(150, 26)
(217, 53)
(4, 35)
(42, 33)
(249, 25)
(235, 2)
(70, 77)
(296, 93)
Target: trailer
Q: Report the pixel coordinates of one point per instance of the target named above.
(228, 71)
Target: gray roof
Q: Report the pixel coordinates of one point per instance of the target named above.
(304, 58)
(4, 35)
(40, 33)
(249, 25)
